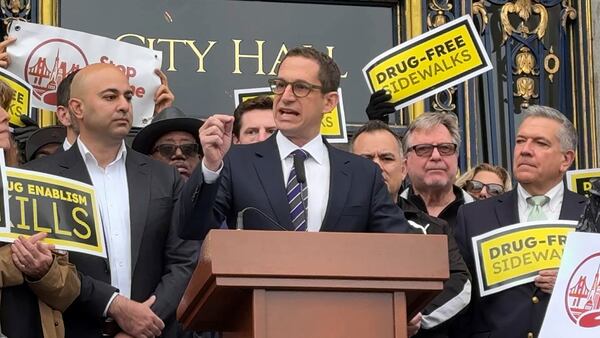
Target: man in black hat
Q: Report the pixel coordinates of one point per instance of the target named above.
(44, 141)
(172, 138)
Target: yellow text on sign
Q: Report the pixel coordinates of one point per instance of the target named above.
(523, 252)
(431, 63)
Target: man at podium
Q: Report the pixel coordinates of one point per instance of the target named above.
(294, 180)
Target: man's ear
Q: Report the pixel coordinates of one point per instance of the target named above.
(76, 107)
(331, 101)
(568, 158)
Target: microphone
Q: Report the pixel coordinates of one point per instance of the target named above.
(299, 167)
(239, 224)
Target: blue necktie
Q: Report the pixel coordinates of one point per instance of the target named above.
(297, 195)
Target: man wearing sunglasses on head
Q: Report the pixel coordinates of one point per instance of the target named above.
(431, 150)
(172, 138)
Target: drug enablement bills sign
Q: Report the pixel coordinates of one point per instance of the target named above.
(574, 307)
(431, 62)
(333, 124)
(513, 255)
(65, 209)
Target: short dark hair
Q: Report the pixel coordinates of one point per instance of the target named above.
(376, 125)
(329, 72)
(63, 92)
(259, 102)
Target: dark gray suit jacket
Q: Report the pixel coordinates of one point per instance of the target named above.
(162, 263)
(510, 313)
(252, 177)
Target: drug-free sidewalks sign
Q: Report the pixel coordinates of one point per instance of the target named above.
(429, 63)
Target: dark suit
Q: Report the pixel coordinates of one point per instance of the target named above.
(513, 312)
(161, 262)
(252, 176)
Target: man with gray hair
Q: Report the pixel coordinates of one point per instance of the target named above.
(544, 151)
(431, 150)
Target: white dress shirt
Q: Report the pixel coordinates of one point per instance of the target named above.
(317, 170)
(550, 209)
(66, 145)
(112, 194)
(317, 175)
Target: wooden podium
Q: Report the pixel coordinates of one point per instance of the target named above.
(273, 284)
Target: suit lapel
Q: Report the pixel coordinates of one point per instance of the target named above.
(507, 208)
(572, 206)
(339, 187)
(73, 166)
(138, 183)
(268, 168)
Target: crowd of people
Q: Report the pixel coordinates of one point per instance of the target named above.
(183, 176)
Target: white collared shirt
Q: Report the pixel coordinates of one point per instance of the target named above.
(317, 175)
(550, 209)
(112, 193)
(66, 145)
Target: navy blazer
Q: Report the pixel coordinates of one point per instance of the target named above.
(513, 312)
(252, 177)
(161, 262)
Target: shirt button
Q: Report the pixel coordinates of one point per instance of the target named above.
(530, 335)
(535, 300)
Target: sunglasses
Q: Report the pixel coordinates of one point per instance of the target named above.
(168, 150)
(475, 187)
(425, 150)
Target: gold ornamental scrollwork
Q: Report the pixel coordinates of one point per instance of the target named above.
(438, 15)
(551, 64)
(15, 9)
(525, 62)
(526, 90)
(478, 9)
(568, 12)
(524, 9)
(447, 105)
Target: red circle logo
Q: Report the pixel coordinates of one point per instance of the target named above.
(582, 298)
(49, 63)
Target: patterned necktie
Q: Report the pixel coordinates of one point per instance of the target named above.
(297, 195)
(537, 213)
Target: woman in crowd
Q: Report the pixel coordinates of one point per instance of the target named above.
(485, 180)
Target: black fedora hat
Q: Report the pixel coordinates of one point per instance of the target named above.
(42, 137)
(168, 120)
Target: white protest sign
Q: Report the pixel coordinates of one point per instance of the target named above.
(44, 55)
(574, 308)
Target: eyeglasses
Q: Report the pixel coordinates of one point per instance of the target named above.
(299, 88)
(425, 150)
(168, 150)
(475, 187)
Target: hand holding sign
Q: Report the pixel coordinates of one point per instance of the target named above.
(164, 97)
(215, 136)
(4, 57)
(546, 279)
(32, 257)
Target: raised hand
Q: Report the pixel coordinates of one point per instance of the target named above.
(215, 137)
(164, 97)
(4, 57)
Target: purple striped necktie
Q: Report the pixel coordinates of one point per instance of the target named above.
(297, 195)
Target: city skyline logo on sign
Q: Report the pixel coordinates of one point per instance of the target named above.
(45, 74)
(582, 297)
